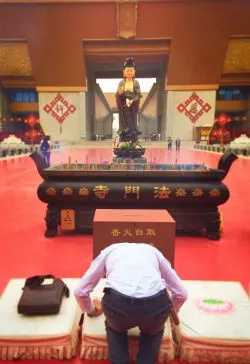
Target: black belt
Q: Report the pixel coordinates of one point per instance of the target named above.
(134, 300)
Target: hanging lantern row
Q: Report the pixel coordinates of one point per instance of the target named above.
(223, 119)
(12, 120)
(31, 120)
(239, 118)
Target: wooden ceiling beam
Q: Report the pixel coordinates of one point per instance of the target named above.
(120, 48)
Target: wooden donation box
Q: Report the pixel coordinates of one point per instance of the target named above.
(155, 227)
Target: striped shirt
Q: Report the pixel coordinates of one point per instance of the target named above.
(133, 269)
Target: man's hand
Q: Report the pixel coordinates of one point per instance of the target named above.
(97, 310)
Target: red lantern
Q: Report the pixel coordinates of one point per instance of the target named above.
(32, 121)
(223, 119)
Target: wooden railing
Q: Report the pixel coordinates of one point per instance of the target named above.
(233, 105)
(17, 107)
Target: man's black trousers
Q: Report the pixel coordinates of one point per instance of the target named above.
(123, 313)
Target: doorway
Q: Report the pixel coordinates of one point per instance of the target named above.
(109, 88)
(104, 60)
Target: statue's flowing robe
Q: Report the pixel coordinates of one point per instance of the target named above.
(128, 123)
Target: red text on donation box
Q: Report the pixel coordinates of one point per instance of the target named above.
(155, 227)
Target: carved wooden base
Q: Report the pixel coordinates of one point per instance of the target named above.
(193, 222)
(52, 219)
(188, 221)
(213, 227)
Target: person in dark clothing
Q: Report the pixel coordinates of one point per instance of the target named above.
(45, 149)
(177, 144)
(170, 143)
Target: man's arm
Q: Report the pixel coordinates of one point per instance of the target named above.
(173, 281)
(88, 282)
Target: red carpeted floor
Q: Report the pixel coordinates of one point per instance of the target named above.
(25, 251)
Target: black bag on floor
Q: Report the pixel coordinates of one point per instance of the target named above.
(39, 298)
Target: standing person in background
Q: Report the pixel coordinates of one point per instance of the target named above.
(170, 142)
(45, 149)
(138, 277)
(177, 144)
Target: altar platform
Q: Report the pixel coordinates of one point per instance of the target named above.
(215, 323)
(214, 327)
(38, 337)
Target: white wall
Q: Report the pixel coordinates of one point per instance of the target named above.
(74, 125)
(178, 124)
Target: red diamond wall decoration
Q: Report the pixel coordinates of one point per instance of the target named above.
(194, 107)
(59, 108)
